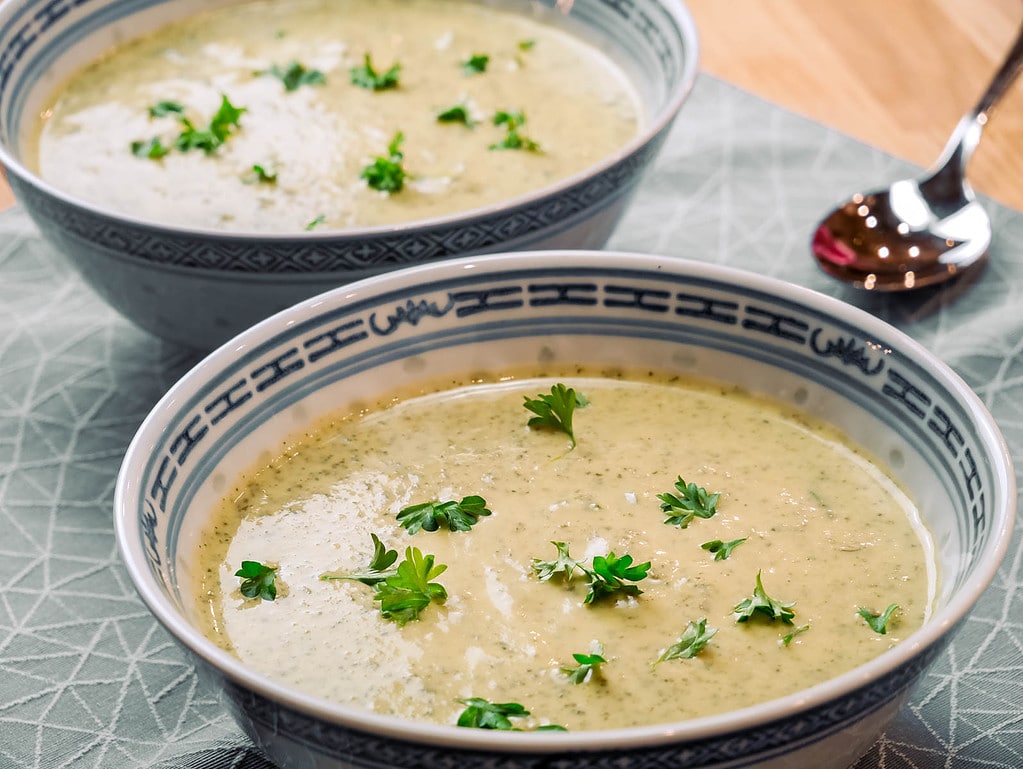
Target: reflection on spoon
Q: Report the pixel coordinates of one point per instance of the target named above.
(918, 232)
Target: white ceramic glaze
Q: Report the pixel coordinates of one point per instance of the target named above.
(462, 315)
(199, 287)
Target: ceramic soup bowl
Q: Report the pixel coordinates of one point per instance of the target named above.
(831, 360)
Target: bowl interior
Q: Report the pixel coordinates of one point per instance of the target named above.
(604, 309)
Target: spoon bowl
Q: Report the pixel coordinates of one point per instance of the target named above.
(917, 232)
(893, 240)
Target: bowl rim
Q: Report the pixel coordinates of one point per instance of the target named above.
(944, 619)
(656, 125)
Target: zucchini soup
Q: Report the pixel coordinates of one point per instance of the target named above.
(589, 551)
(276, 116)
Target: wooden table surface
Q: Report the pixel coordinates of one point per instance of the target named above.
(896, 74)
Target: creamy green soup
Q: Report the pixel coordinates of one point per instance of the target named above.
(485, 105)
(825, 527)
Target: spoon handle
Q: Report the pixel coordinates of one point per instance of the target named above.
(946, 180)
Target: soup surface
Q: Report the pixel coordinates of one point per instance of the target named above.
(826, 529)
(473, 104)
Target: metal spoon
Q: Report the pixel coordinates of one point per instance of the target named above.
(923, 231)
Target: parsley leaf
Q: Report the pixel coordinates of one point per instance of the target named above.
(587, 665)
(564, 563)
(365, 76)
(693, 640)
(164, 108)
(476, 64)
(513, 140)
(787, 639)
(879, 622)
(387, 174)
(483, 714)
(457, 114)
(606, 576)
(609, 574)
(154, 149)
(722, 550)
(409, 590)
(258, 580)
(555, 411)
(762, 603)
(457, 516)
(222, 125)
(691, 502)
(378, 570)
(294, 75)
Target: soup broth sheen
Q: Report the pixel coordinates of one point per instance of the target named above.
(828, 531)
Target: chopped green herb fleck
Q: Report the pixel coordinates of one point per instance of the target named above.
(555, 411)
(525, 45)
(722, 550)
(693, 640)
(457, 516)
(457, 114)
(264, 174)
(258, 580)
(690, 502)
(365, 76)
(164, 108)
(154, 149)
(294, 75)
(762, 603)
(879, 622)
(387, 174)
(320, 219)
(476, 64)
(513, 139)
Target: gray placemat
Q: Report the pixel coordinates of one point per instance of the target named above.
(88, 680)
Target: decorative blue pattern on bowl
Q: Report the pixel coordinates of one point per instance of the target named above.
(200, 286)
(601, 309)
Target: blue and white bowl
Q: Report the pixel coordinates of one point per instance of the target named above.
(199, 286)
(608, 309)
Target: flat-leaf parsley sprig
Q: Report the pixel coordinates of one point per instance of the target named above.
(455, 515)
(484, 714)
(693, 640)
(404, 591)
(878, 622)
(379, 568)
(690, 501)
(556, 410)
(258, 580)
(366, 76)
(587, 666)
(605, 577)
(387, 173)
(720, 549)
(761, 603)
(294, 75)
(513, 138)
